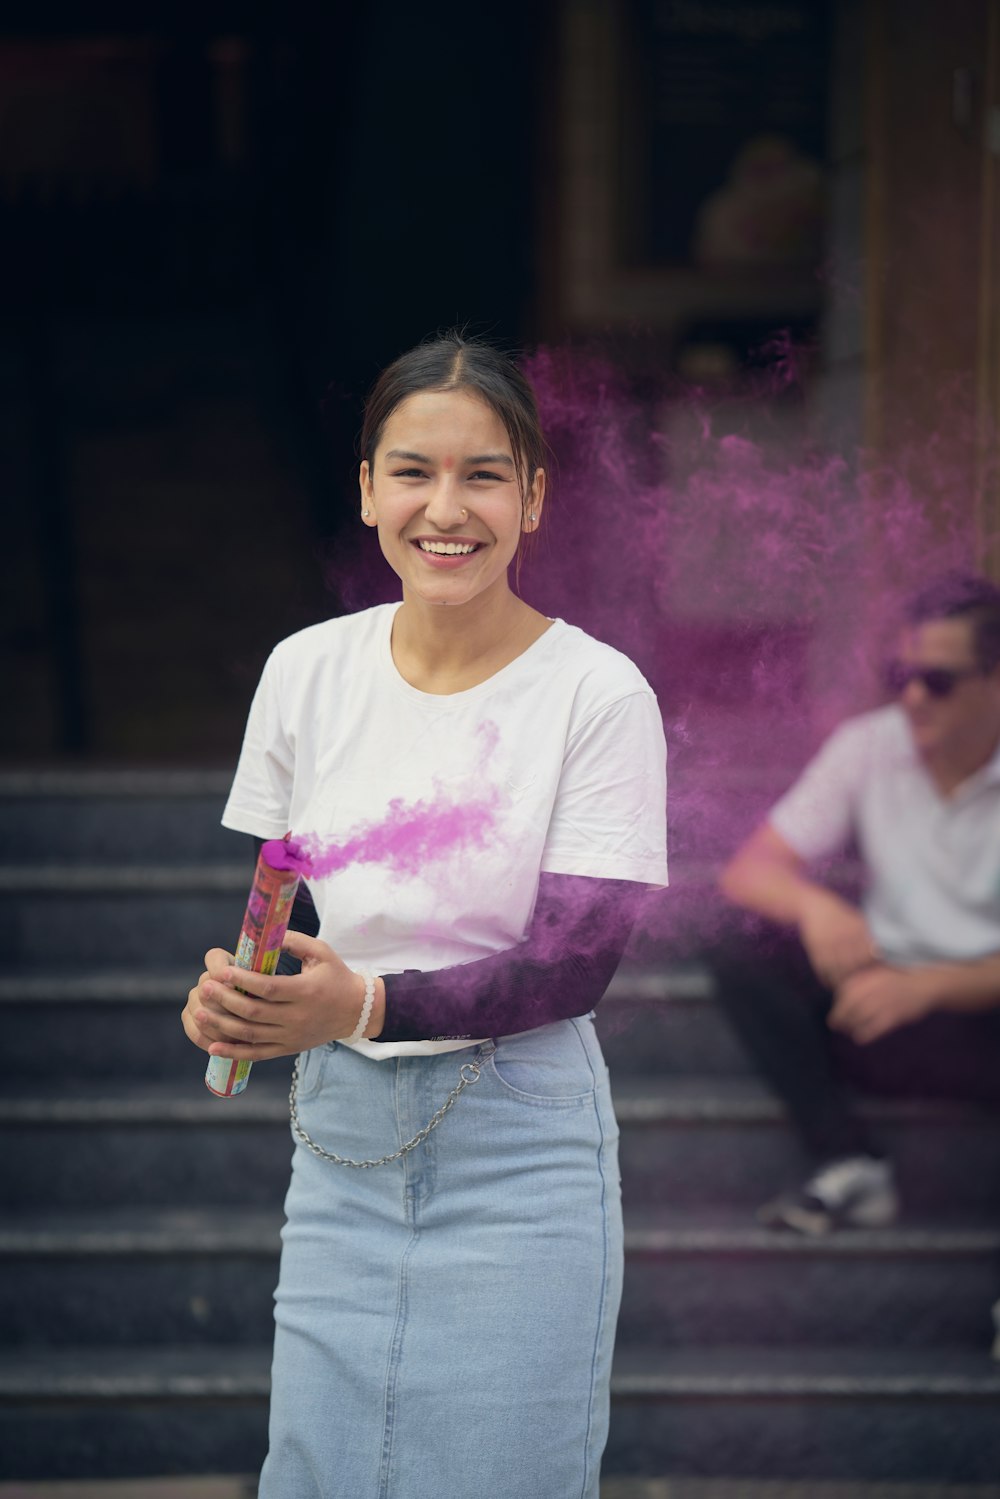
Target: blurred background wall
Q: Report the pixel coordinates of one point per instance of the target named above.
(219, 223)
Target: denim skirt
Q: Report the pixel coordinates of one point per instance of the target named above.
(445, 1323)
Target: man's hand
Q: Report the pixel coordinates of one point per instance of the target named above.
(835, 935)
(880, 999)
(277, 1016)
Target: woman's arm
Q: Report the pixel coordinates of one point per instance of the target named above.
(575, 941)
(578, 933)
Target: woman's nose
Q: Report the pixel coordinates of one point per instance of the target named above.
(444, 507)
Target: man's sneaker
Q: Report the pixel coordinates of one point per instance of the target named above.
(859, 1191)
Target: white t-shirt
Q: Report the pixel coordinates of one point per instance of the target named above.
(933, 862)
(565, 744)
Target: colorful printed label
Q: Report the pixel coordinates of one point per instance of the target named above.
(265, 923)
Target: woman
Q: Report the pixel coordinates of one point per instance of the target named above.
(445, 1317)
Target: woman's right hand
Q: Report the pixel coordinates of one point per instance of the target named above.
(835, 935)
(216, 963)
(255, 1016)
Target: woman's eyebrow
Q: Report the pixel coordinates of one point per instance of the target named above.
(477, 458)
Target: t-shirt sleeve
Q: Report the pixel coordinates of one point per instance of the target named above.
(261, 793)
(609, 820)
(817, 815)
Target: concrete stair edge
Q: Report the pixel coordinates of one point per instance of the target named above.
(150, 1231)
(203, 1371)
(638, 1101)
(653, 984)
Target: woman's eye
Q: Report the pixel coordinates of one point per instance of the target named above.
(484, 473)
(408, 473)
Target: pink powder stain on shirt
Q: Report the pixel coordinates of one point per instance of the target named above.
(412, 836)
(408, 839)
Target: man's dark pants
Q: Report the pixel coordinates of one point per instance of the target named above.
(779, 1009)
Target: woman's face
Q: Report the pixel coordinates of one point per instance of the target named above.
(444, 495)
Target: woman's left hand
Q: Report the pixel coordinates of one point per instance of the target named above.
(281, 1015)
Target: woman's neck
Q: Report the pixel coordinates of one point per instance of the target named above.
(442, 649)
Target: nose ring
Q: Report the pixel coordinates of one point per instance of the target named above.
(464, 513)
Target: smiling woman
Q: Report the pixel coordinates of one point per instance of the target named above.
(445, 1317)
(452, 477)
(443, 489)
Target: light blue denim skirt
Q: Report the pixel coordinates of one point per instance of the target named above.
(445, 1323)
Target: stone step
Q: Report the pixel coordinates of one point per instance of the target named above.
(663, 1017)
(83, 1143)
(98, 1024)
(127, 1276)
(820, 1413)
(685, 1142)
(679, 1488)
(115, 817)
(171, 1276)
(244, 1486)
(690, 1141)
(197, 1486)
(806, 1413)
(117, 1412)
(704, 1279)
(150, 918)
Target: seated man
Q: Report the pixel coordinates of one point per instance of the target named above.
(903, 994)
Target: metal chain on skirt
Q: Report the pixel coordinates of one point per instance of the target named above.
(468, 1073)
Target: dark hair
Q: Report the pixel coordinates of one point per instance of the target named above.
(958, 595)
(454, 361)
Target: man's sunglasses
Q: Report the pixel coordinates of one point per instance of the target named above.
(939, 681)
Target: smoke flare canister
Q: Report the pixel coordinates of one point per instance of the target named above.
(264, 925)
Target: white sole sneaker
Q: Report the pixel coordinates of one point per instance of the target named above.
(855, 1193)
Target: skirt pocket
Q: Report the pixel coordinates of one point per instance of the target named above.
(556, 1065)
(312, 1069)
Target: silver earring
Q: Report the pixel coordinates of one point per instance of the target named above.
(532, 516)
(366, 513)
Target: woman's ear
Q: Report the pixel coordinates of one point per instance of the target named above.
(367, 494)
(534, 500)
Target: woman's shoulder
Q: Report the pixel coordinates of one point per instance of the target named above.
(331, 639)
(601, 669)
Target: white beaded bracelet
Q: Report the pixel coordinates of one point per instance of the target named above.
(366, 1009)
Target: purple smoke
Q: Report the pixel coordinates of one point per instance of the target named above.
(752, 567)
(405, 841)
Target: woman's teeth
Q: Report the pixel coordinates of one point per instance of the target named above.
(448, 548)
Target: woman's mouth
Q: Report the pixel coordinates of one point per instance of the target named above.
(449, 548)
(440, 553)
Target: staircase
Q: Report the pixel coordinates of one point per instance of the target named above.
(138, 1249)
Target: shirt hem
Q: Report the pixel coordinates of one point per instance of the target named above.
(380, 1053)
(609, 870)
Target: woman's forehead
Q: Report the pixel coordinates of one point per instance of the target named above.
(448, 419)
